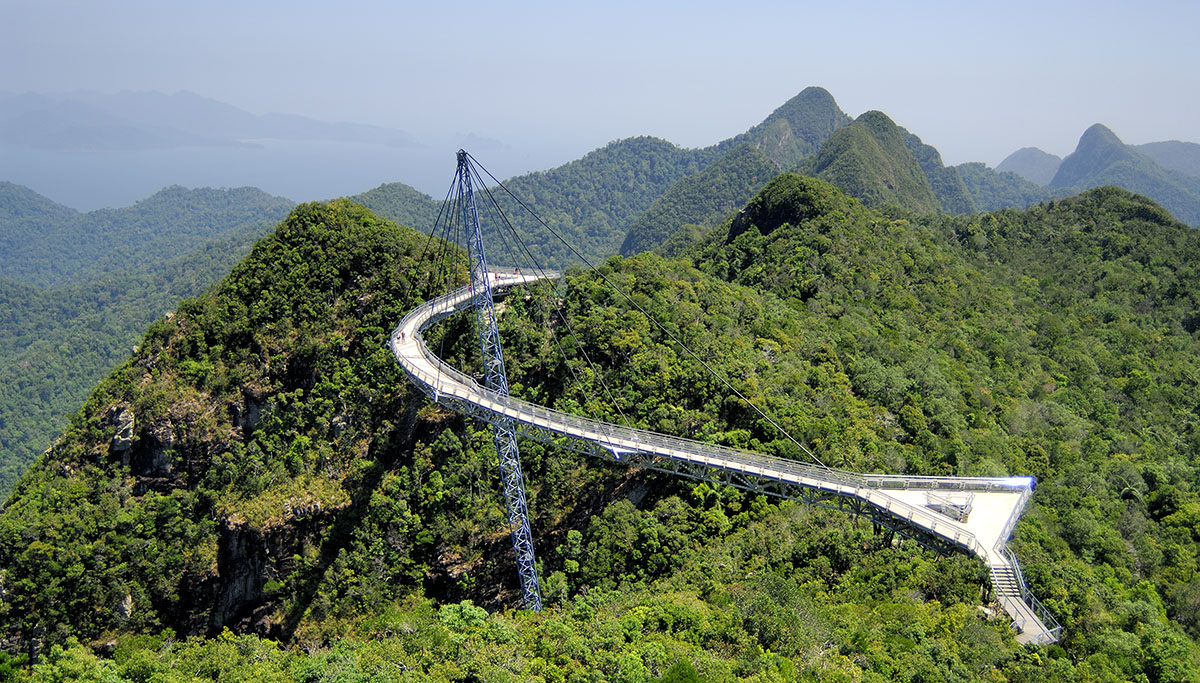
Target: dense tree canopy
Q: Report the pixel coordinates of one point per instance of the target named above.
(295, 490)
(107, 275)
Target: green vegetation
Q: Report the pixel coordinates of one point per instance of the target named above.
(945, 182)
(704, 198)
(257, 493)
(992, 190)
(402, 204)
(26, 217)
(590, 202)
(298, 492)
(870, 159)
(1102, 159)
(55, 344)
(51, 248)
(628, 187)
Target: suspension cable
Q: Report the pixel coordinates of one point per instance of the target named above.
(532, 260)
(649, 317)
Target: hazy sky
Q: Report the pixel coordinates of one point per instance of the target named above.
(976, 80)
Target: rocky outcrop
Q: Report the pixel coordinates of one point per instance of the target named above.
(122, 417)
(241, 565)
(246, 412)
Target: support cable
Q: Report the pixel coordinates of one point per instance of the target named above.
(570, 329)
(652, 319)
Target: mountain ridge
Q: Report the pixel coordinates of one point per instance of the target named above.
(295, 489)
(870, 159)
(130, 120)
(1101, 158)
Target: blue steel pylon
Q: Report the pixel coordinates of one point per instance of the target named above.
(511, 479)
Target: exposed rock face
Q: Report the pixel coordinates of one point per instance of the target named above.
(241, 563)
(125, 608)
(247, 412)
(122, 416)
(163, 433)
(162, 438)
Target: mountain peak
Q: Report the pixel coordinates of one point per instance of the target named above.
(814, 95)
(875, 117)
(796, 129)
(870, 159)
(1099, 133)
(1102, 159)
(1098, 148)
(1031, 164)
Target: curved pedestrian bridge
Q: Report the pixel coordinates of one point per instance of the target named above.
(975, 515)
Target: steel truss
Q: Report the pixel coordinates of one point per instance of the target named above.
(736, 478)
(861, 494)
(511, 480)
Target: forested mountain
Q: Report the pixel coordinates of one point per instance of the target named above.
(113, 271)
(870, 159)
(992, 189)
(794, 131)
(295, 489)
(26, 214)
(402, 204)
(76, 247)
(1175, 155)
(590, 202)
(702, 198)
(947, 186)
(1102, 159)
(744, 163)
(1032, 164)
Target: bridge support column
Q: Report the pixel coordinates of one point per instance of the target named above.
(512, 481)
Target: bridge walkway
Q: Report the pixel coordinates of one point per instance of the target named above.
(975, 515)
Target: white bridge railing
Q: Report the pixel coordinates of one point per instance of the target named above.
(451, 387)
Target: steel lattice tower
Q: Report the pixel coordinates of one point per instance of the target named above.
(511, 479)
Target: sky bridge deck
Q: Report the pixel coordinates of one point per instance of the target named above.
(917, 506)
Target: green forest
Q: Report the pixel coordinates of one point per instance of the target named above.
(257, 493)
(77, 291)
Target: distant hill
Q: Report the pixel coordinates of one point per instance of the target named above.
(1102, 159)
(78, 289)
(744, 163)
(870, 159)
(151, 120)
(58, 247)
(1175, 155)
(622, 196)
(703, 198)
(794, 131)
(23, 212)
(992, 189)
(1031, 164)
(25, 218)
